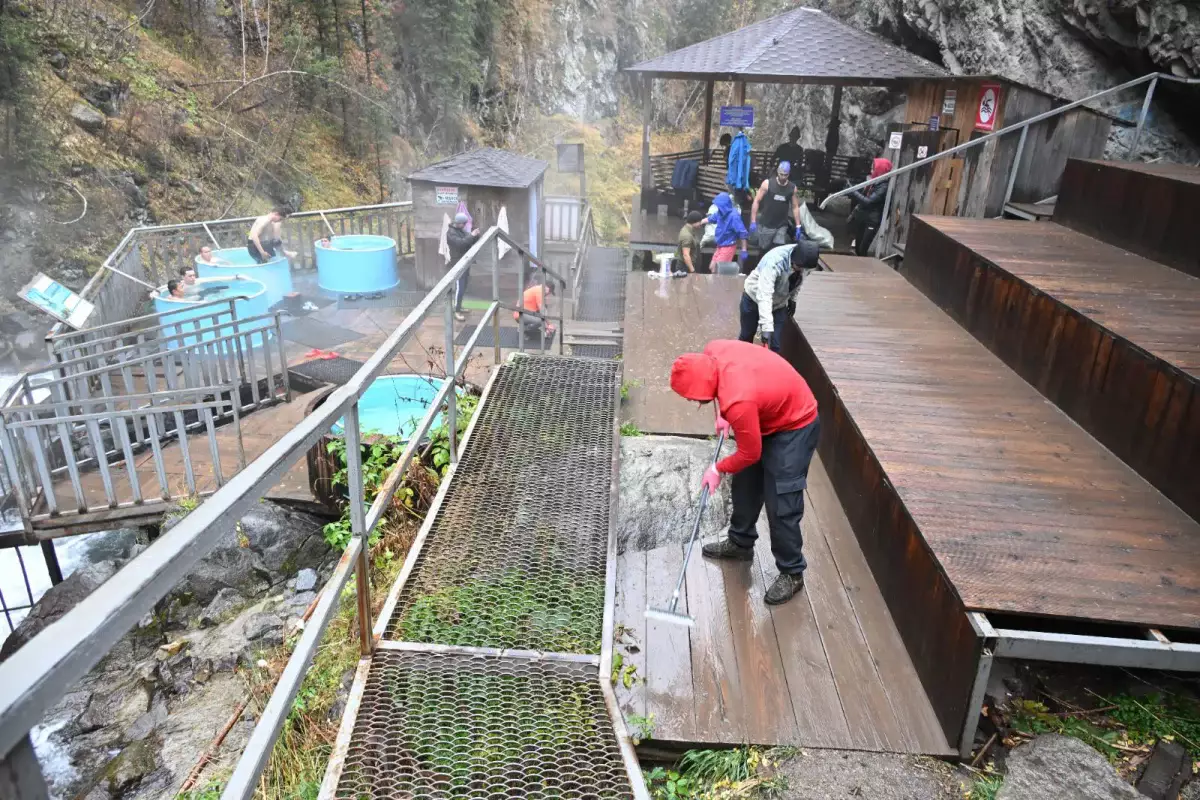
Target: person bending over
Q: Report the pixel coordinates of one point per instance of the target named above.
(773, 417)
(534, 300)
(264, 242)
(688, 251)
(769, 294)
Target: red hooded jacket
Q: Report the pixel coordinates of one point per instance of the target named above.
(756, 390)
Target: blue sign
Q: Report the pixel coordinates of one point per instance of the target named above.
(933, 122)
(737, 116)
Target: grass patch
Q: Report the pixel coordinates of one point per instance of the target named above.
(559, 612)
(985, 787)
(717, 774)
(631, 429)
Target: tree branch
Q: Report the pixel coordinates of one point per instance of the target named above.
(71, 186)
(279, 72)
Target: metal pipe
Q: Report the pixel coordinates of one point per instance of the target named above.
(496, 299)
(1012, 175)
(1141, 123)
(988, 137)
(358, 524)
(452, 399)
(211, 238)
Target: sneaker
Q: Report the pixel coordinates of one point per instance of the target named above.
(783, 589)
(727, 549)
(460, 316)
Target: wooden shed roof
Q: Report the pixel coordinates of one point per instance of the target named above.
(484, 167)
(800, 46)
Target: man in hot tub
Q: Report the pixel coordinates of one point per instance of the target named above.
(264, 242)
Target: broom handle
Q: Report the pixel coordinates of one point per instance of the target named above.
(704, 495)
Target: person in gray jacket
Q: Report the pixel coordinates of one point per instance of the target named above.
(769, 295)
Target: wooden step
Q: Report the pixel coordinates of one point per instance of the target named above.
(1150, 209)
(1111, 338)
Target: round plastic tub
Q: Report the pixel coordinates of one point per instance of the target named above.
(275, 275)
(394, 405)
(357, 264)
(251, 302)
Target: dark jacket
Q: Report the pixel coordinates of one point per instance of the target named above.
(460, 240)
(868, 204)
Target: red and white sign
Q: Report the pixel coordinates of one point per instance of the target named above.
(989, 107)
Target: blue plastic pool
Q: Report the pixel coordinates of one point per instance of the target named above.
(357, 264)
(394, 405)
(251, 302)
(275, 275)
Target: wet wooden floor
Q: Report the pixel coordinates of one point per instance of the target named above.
(827, 669)
(1022, 509)
(664, 319)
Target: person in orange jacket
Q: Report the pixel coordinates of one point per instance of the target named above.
(773, 417)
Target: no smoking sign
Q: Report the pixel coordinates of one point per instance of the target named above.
(989, 106)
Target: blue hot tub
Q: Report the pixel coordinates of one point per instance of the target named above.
(275, 275)
(251, 302)
(357, 264)
(393, 405)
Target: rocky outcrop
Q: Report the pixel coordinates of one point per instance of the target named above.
(136, 725)
(1053, 767)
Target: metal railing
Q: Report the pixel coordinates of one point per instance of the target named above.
(1023, 127)
(118, 396)
(587, 238)
(150, 255)
(562, 216)
(39, 674)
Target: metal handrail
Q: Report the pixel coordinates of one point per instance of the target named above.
(587, 233)
(56, 338)
(40, 673)
(1152, 78)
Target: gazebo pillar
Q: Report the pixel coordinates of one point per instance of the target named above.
(835, 122)
(708, 109)
(647, 116)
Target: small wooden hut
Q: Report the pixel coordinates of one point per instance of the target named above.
(488, 181)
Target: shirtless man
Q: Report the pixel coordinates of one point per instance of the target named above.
(207, 257)
(187, 279)
(265, 236)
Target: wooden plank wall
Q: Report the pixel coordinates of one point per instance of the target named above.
(1144, 409)
(1150, 210)
(931, 618)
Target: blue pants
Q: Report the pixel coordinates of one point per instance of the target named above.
(749, 321)
(778, 481)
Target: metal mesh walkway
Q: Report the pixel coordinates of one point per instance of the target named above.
(437, 726)
(515, 558)
(602, 296)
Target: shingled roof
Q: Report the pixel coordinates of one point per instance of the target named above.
(485, 167)
(801, 46)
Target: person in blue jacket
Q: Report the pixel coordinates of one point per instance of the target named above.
(730, 232)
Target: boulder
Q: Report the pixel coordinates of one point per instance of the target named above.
(57, 602)
(223, 605)
(1053, 767)
(87, 118)
(306, 580)
(660, 479)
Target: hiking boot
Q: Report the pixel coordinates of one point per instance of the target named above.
(727, 549)
(783, 589)
(460, 316)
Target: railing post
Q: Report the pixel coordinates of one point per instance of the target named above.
(452, 404)
(1141, 123)
(358, 528)
(495, 255)
(21, 775)
(522, 264)
(1012, 175)
(883, 221)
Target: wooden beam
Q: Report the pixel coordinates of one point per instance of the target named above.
(739, 93)
(647, 116)
(708, 112)
(835, 122)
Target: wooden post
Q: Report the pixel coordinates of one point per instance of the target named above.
(708, 112)
(647, 115)
(835, 122)
(739, 93)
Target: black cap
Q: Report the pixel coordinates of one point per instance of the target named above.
(694, 216)
(806, 254)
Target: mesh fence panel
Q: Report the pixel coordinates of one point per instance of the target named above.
(516, 557)
(439, 725)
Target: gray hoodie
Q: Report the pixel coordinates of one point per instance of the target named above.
(769, 285)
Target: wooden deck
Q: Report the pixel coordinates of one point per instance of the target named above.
(664, 319)
(1023, 512)
(1111, 338)
(1149, 209)
(827, 669)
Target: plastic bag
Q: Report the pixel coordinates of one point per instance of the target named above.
(813, 231)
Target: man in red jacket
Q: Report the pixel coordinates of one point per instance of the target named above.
(773, 416)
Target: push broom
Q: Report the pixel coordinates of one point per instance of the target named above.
(670, 613)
